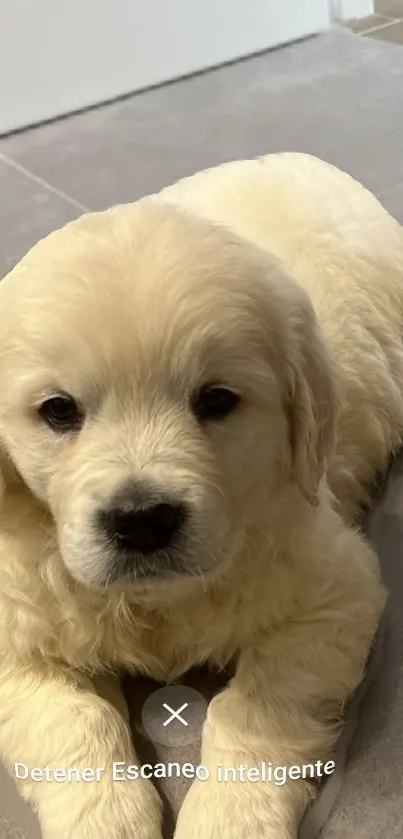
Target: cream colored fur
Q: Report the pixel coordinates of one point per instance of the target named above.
(131, 310)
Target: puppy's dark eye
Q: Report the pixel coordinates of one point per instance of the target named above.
(61, 413)
(214, 403)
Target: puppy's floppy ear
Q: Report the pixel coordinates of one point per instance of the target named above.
(311, 403)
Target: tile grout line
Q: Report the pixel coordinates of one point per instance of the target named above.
(391, 22)
(23, 171)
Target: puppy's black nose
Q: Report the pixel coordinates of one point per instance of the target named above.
(143, 529)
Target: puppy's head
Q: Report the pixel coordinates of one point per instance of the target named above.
(160, 381)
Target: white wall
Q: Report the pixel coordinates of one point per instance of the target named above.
(62, 55)
(350, 9)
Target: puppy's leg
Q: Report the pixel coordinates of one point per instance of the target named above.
(283, 708)
(55, 719)
(109, 687)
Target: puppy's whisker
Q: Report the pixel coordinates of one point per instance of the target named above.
(200, 574)
(213, 484)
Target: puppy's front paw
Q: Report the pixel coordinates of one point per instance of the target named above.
(126, 810)
(213, 810)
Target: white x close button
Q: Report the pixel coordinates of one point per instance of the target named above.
(174, 715)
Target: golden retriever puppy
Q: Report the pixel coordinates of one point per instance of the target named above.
(195, 391)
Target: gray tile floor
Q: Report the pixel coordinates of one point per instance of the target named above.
(29, 208)
(386, 24)
(389, 8)
(334, 96)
